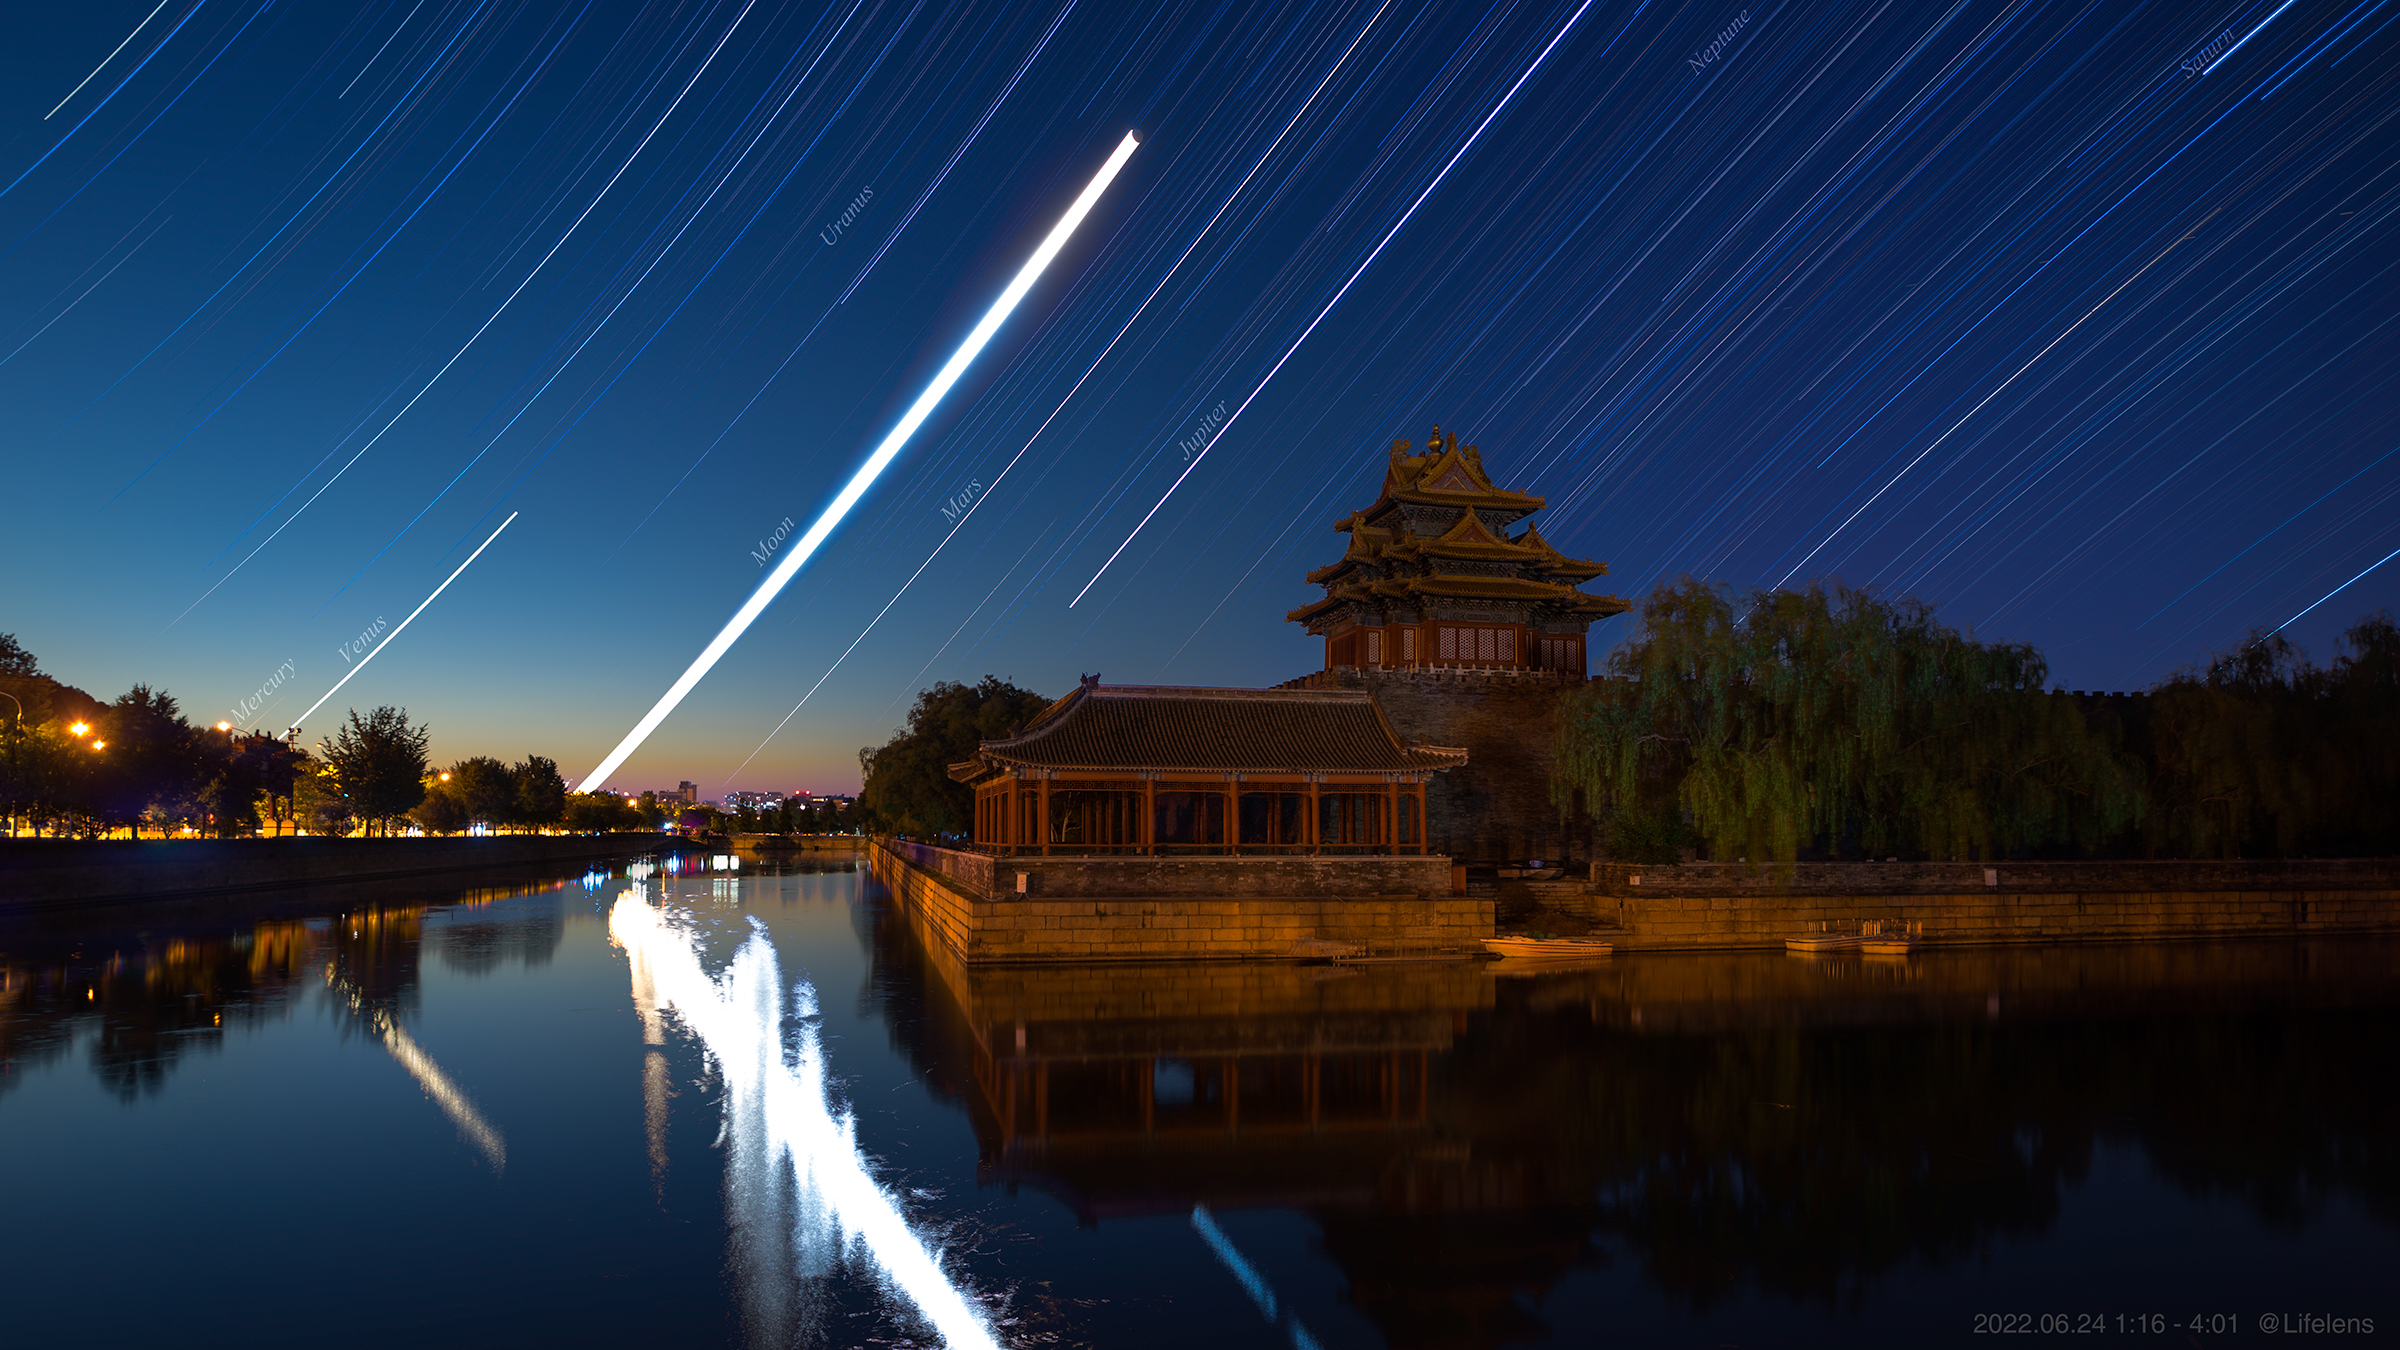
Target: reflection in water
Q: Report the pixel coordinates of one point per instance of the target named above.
(384, 1022)
(143, 1006)
(1253, 1283)
(1735, 1127)
(796, 1183)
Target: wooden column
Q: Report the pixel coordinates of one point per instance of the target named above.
(1312, 835)
(1233, 814)
(1150, 816)
(1044, 822)
(1391, 816)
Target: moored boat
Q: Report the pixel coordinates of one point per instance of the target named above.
(1546, 948)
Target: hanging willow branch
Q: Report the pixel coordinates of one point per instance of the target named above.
(1838, 723)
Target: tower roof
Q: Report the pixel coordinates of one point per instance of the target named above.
(1109, 729)
(1438, 530)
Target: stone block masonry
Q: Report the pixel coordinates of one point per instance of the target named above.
(1729, 905)
(1497, 807)
(958, 904)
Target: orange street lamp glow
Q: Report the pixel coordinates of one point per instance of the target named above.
(80, 727)
(445, 778)
(99, 745)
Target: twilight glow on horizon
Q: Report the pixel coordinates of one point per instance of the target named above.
(2077, 320)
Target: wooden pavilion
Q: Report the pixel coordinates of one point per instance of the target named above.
(1433, 579)
(1157, 771)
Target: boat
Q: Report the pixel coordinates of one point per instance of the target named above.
(1546, 948)
(1817, 943)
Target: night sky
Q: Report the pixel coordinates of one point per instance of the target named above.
(2006, 306)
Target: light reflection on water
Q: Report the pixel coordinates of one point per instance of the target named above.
(1739, 1148)
(795, 1180)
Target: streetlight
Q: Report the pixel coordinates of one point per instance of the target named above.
(80, 727)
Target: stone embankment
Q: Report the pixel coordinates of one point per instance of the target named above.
(968, 905)
(55, 873)
(1733, 905)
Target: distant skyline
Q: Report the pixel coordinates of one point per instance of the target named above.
(2011, 308)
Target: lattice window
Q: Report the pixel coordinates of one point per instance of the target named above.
(1408, 646)
(1508, 645)
(1374, 646)
(1485, 643)
(1449, 643)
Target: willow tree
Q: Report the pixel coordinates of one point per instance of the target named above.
(2264, 752)
(1836, 723)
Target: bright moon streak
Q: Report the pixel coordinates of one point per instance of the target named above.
(865, 477)
(777, 1111)
(412, 618)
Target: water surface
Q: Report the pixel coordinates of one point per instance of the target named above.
(401, 1115)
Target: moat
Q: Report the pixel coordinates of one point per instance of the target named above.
(510, 1112)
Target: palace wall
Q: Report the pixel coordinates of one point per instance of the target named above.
(1497, 808)
(1728, 905)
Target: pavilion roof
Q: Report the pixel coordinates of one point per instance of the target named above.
(1438, 586)
(1113, 729)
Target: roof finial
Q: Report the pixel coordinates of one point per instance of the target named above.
(1092, 681)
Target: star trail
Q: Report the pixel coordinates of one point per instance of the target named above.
(2076, 320)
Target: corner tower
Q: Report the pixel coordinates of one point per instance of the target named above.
(1432, 577)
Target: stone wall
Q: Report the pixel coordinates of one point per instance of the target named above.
(1727, 905)
(976, 927)
(52, 872)
(1497, 807)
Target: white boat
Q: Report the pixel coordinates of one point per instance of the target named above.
(1546, 949)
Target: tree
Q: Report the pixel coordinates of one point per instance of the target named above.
(16, 661)
(600, 813)
(486, 788)
(318, 801)
(540, 793)
(441, 812)
(1839, 724)
(237, 783)
(152, 769)
(378, 764)
(908, 787)
(2264, 752)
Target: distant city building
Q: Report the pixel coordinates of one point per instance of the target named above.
(755, 801)
(689, 792)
